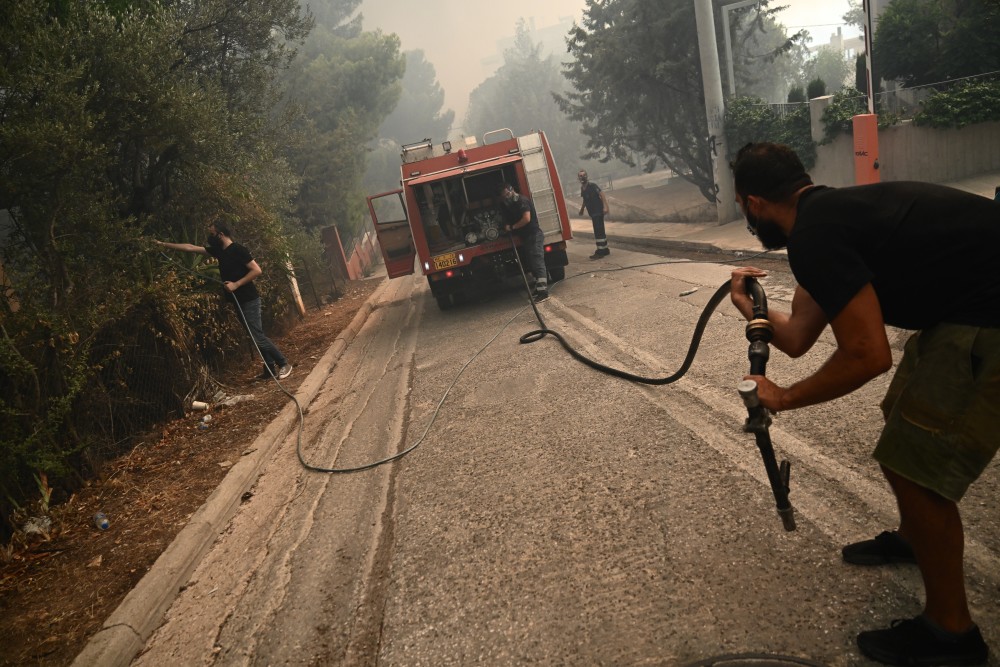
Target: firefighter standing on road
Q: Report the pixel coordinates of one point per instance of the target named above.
(916, 256)
(597, 207)
(521, 219)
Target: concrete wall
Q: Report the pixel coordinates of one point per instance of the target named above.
(909, 153)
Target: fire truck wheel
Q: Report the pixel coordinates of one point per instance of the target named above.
(557, 273)
(445, 301)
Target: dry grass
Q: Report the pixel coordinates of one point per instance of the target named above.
(57, 593)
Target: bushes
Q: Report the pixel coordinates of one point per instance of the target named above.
(968, 103)
(113, 135)
(749, 119)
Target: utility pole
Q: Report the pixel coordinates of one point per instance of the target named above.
(715, 110)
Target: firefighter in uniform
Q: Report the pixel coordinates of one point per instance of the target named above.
(520, 218)
(597, 208)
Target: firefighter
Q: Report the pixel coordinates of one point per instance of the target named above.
(520, 218)
(597, 207)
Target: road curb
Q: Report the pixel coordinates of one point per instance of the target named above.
(130, 625)
(661, 243)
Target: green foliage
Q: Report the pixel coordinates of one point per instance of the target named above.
(838, 115)
(919, 42)
(752, 120)
(522, 95)
(345, 87)
(766, 61)
(816, 88)
(638, 87)
(845, 105)
(831, 66)
(797, 96)
(419, 113)
(968, 103)
(125, 121)
(417, 116)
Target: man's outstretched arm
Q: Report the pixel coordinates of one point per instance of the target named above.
(184, 247)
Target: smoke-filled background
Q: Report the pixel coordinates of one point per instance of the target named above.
(465, 40)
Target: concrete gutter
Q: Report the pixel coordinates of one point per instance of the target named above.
(129, 627)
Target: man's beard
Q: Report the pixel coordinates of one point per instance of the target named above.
(771, 236)
(214, 242)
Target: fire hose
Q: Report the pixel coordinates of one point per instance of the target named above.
(759, 332)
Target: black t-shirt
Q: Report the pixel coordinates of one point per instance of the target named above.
(928, 250)
(233, 266)
(514, 211)
(591, 194)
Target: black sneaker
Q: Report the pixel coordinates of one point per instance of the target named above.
(266, 375)
(914, 642)
(884, 549)
(540, 295)
(601, 252)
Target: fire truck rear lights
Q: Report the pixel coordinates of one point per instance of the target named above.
(548, 248)
(461, 258)
(449, 274)
(427, 266)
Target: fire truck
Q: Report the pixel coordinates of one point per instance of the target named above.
(446, 214)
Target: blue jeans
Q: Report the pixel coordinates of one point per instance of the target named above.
(250, 311)
(533, 256)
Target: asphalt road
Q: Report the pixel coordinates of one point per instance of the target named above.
(554, 515)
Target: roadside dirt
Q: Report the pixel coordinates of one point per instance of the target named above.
(56, 594)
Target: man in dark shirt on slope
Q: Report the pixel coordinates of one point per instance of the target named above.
(238, 269)
(855, 254)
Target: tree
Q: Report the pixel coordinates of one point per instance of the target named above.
(418, 114)
(124, 120)
(522, 95)
(832, 66)
(919, 42)
(345, 87)
(767, 62)
(638, 86)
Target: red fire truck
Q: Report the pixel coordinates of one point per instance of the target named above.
(446, 214)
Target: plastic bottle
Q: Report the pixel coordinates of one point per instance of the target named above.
(101, 521)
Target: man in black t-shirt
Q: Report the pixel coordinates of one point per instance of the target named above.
(597, 207)
(855, 254)
(237, 268)
(520, 218)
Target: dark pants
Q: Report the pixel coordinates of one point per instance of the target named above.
(250, 316)
(533, 256)
(600, 236)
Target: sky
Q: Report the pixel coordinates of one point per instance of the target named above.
(457, 36)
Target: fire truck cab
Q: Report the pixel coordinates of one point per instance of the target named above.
(447, 216)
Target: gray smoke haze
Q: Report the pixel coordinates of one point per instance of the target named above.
(463, 38)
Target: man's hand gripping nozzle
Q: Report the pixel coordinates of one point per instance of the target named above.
(759, 332)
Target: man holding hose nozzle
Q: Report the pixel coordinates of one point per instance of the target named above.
(520, 218)
(853, 252)
(238, 268)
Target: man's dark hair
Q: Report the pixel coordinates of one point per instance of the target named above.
(223, 229)
(771, 171)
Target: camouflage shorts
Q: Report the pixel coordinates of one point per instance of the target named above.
(942, 409)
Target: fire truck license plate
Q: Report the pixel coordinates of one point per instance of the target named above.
(446, 261)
